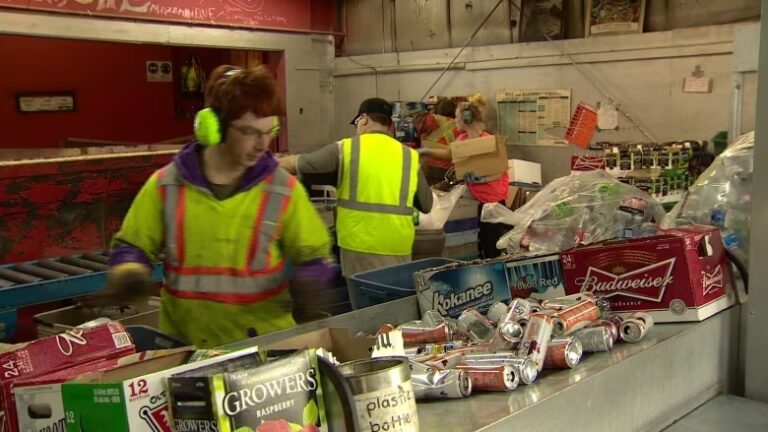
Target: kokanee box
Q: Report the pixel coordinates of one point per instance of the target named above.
(681, 275)
(133, 397)
(39, 403)
(55, 353)
(453, 288)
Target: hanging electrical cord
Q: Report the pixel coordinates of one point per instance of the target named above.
(471, 38)
(594, 83)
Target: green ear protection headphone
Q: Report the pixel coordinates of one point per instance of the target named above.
(208, 124)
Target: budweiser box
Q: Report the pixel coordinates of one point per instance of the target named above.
(681, 275)
(280, 395)
(39, 403)
(453, 288)
(56, 353)
(133, 397)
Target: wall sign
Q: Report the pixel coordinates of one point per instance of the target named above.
(45, 102)
(293, 15)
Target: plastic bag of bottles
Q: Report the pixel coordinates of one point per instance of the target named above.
(722, 196)
(581, 208)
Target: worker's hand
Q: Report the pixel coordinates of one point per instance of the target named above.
(470, 177)
(127, 284)
(288, 163)
(423, 151)
(311, 283)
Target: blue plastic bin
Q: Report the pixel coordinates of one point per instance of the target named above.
(388, 283)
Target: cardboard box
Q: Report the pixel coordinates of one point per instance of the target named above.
(523, 171)
(485, 156)
(341, 342)
(681, 275)
(284, 394)
(56, 353)
(131, 398)
(39, 403)
(453, 288)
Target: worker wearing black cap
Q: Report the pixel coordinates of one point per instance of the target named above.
(379, 188)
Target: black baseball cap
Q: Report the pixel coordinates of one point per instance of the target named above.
(373, 106)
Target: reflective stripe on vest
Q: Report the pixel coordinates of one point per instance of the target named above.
(402, 209)
(257, 281)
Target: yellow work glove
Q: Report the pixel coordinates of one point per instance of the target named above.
(127, 283)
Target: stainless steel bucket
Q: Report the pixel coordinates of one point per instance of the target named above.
(383, 398)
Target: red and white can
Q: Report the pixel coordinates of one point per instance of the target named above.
(563, 353)
(492, 378)
(536, 338)
(418, 333)
(576, 317)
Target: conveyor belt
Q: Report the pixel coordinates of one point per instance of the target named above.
(49, 280)
(636, 387)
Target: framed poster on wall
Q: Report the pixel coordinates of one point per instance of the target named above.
(542, 19)
(45, 102)
(614, 16)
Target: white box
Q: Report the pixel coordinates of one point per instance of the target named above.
(524, 171)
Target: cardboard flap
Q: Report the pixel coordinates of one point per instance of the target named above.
(461, 150)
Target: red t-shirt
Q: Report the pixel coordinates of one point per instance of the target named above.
(493, 191)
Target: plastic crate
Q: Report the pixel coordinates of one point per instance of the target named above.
(388, 283)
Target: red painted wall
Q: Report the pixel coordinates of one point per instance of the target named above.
(114, 99)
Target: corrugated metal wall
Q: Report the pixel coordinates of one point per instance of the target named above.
(382, 26)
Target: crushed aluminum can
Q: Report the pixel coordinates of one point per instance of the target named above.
(507, 337)
(536, 338)
(564, 353)
(419, 333)
(595, 339)
(634, 328)
(575, 317)
(441, 384)
(432, 318)
(474, 325)
(492, 378)
(497, 311)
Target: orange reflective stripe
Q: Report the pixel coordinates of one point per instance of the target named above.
(274, 202)
(229, 298)
(256, 280)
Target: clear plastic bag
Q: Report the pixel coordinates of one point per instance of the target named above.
(581, 208)
(722, 196)
(442, 206)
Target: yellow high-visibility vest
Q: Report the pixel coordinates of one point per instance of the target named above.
(379, 178)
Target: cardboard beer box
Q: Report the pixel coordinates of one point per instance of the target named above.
(537, 276)
(134, 397)
(280, 395)
(191, 404)
(681, 275)
(45, 356)
(39, 403)
(454, 288)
